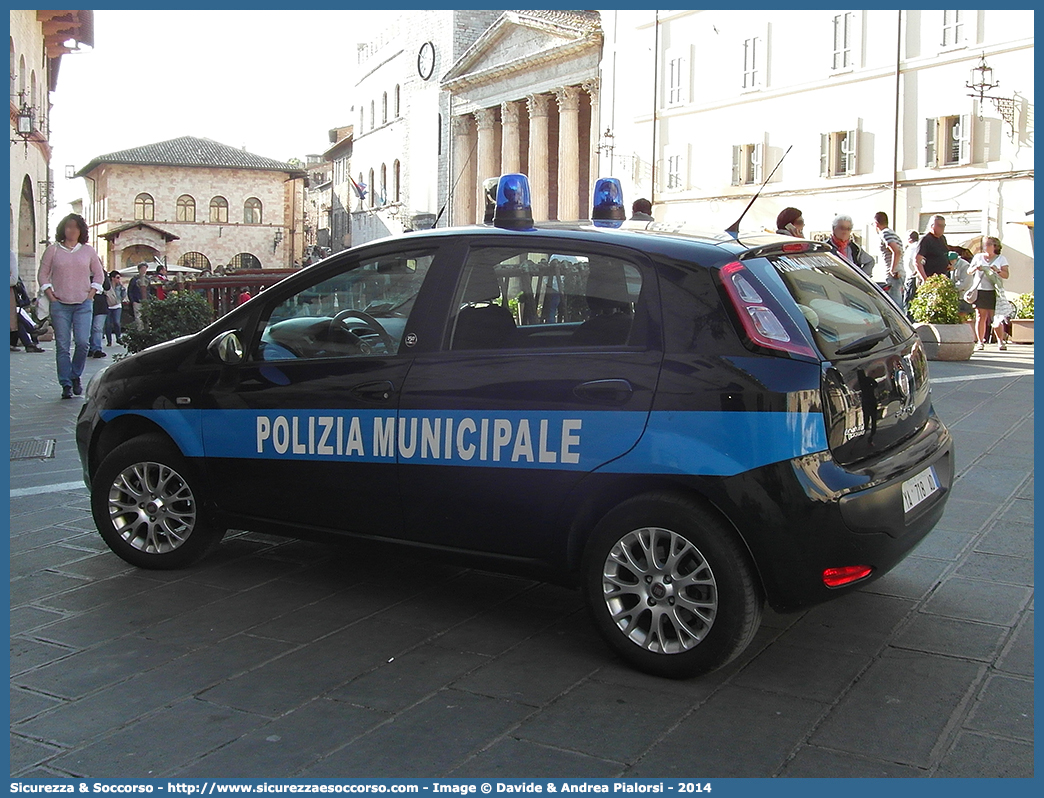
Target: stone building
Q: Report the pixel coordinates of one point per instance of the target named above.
(701, 106)
(317, 202)
(328, 195)
(341, 192)
(39, 39)
(195, 202)
(524, 98)
(401, 137)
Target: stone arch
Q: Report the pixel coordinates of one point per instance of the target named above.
(195, 260)
(244, 260)
(27, 233)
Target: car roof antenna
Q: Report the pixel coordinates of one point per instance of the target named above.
(733, 229)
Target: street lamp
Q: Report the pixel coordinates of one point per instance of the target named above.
(25, 124)
(982, 82)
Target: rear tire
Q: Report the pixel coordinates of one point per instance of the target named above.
(148, 504)
(669, 587)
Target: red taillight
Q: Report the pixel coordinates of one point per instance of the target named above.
(795, 247)
(759, 313)
(838, 577)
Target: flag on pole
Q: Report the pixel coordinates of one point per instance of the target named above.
(360, 188)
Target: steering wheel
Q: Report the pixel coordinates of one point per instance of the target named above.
(389, 343)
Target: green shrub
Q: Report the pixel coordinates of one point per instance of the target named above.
(936, 301)
(181, 313)
(1024, 306)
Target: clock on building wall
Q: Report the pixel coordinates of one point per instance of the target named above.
(426, 60)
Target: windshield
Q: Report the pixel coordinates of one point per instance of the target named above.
(846, 313)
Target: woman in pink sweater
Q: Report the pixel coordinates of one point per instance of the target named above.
(70, 275)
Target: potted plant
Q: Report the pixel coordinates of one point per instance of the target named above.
(181, 313)
(935, 309)
(1022, 324)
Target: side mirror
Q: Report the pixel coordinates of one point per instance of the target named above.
(227, 348)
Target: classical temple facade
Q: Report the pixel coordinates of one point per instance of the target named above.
(524, 98)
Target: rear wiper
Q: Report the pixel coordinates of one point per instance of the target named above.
(864, 343)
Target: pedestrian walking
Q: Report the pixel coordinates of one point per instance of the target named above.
(159, 282)
(641, 210)
(988, 269)
(790, 222)
(98, 320)
(962, 281)
(842, 245)
(138, 292)
(70, 275)
(933, 251)
(910, 266)
(892, 258)
(115, 298)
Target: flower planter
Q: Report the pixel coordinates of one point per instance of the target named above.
(1022, 331)
(946, 341)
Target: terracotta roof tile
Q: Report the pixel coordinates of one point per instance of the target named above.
(190, 151)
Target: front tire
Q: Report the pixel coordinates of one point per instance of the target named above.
(669, 587)
(148, 504)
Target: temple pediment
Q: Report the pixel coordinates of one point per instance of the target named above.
(522, 40)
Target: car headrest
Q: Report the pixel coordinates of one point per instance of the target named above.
(482, 285)
(607, 280)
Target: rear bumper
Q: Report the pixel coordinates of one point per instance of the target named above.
(817, 515)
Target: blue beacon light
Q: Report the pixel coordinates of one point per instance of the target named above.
(514, 209)
(608, 210)
(489, 192)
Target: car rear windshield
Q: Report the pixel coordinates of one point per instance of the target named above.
(846, 313)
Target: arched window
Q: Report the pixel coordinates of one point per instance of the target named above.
(244, 260)
(219, 210)
(373, 188)
(195, 260)
(186, 210)
(384, 184)
(252, 211)
(21, 76)
(398, 107)
(384, 108)
(396, 173)
(32, 89)
(362, 119)
(144, 207)
(373, 115)
(14, 69)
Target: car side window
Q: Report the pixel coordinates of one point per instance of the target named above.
(511, 299)
(359, 312)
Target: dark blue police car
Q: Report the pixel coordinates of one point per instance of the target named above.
(685, 426)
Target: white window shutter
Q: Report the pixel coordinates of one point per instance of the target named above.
(824, 155)
(737, 164)
(965, 139)
(930, 128)
(759, 164)
(851, 152)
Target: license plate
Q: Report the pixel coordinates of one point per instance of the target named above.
(919, 488)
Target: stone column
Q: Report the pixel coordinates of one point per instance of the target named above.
(568, 152)
(538, 154)
(591, 87)
(487, 157)
(464, 169)
(509, 155)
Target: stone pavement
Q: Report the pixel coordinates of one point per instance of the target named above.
(276, 658)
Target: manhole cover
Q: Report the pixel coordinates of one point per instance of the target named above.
(28, 450)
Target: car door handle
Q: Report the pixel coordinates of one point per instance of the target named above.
(374, 391)
(604, 392)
